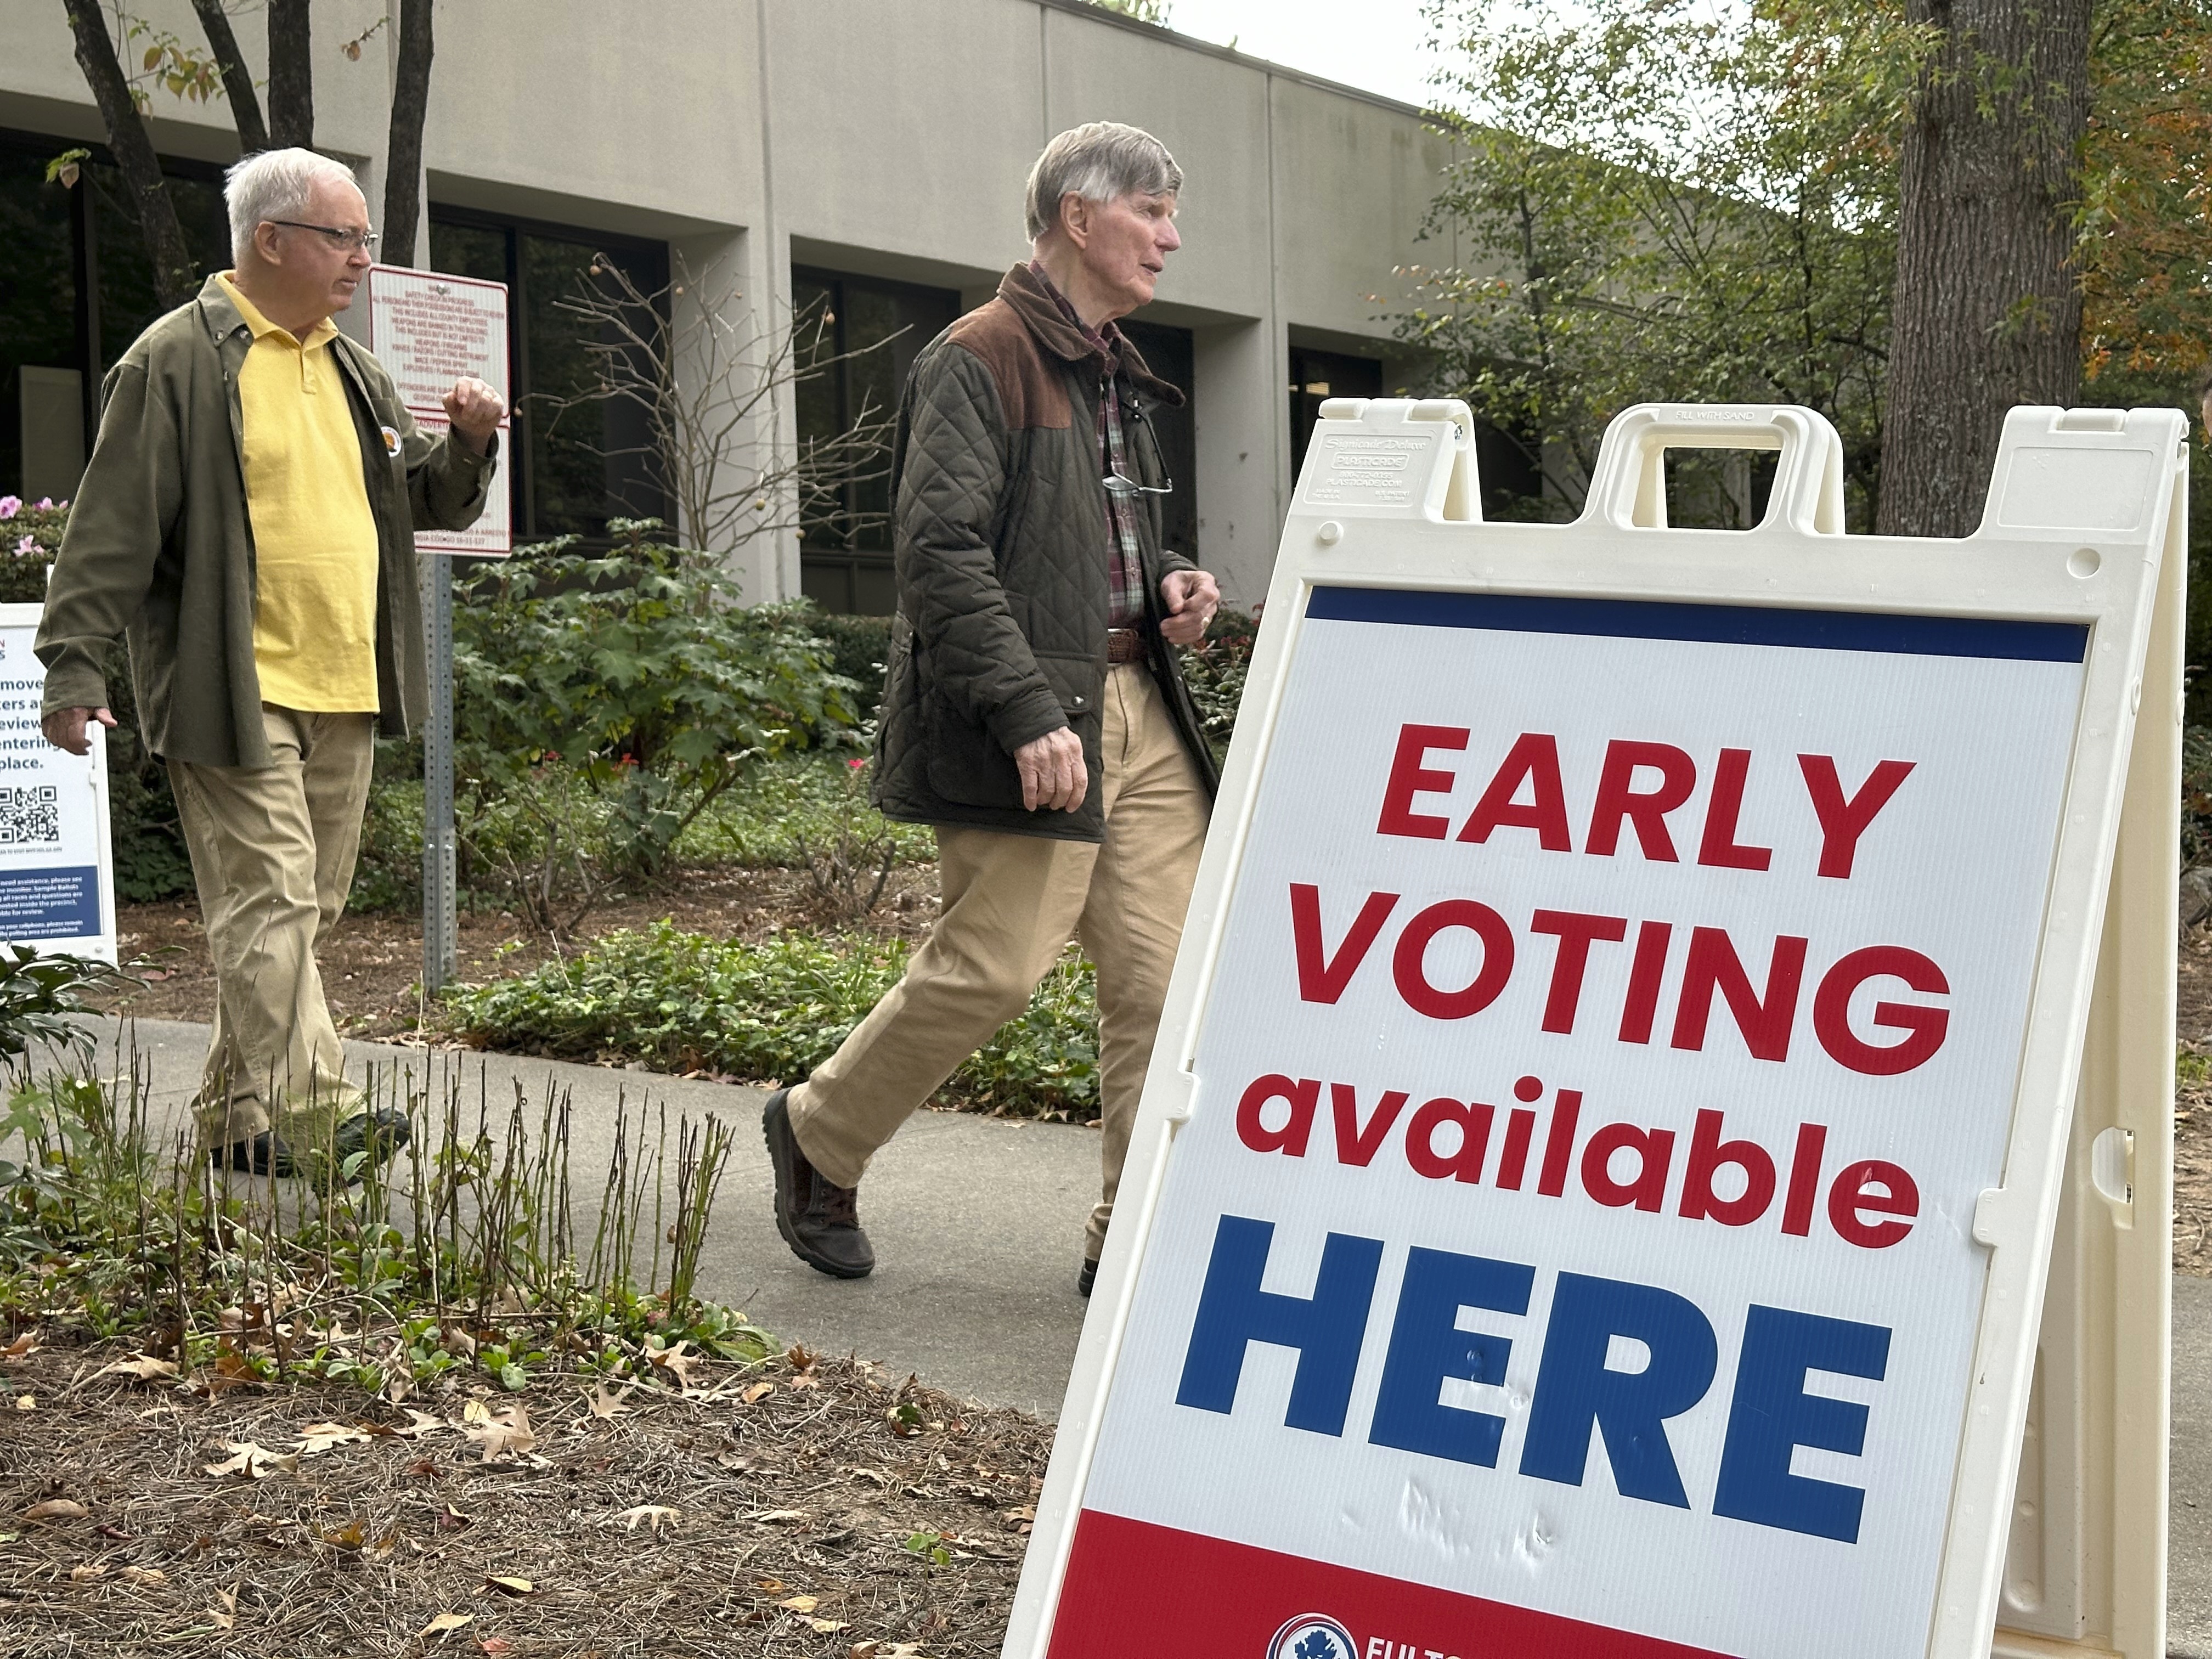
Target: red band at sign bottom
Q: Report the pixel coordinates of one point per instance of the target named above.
(1134, 1587)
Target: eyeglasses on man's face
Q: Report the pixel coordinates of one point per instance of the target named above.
(1117, 484)
(338, 236)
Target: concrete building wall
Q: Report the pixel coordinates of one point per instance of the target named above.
(881, 137)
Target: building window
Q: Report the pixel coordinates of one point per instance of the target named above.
(76, 288)
(574, 465)
(1168, 353)
(865, 333)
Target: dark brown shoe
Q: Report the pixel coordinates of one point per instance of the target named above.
(819, 1219)
(1086, 1278)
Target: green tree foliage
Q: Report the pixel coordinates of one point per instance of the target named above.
(1145, 11)
(1647, 203)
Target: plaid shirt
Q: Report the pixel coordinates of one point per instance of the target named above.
(1125, 565)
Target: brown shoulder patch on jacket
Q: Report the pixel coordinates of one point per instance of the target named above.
(1031, 392)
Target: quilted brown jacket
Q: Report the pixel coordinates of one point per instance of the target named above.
(1000, 538)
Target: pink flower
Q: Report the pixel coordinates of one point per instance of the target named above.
(45, 504)
(28, 545)
(855, 763)
(10, 505)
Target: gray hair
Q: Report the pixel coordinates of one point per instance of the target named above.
(275, 184)
(1100, 162)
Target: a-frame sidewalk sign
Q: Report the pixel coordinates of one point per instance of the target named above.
(1653, 999)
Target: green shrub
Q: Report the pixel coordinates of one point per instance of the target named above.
(1215, 673)
(860, 646)
(783, 802)
(640, 670)
(2196, 796)
(772, 1012)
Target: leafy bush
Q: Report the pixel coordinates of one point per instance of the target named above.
(641, 671)
(1215, 673)
(860, 646)
(788, 803)
(772, 1011)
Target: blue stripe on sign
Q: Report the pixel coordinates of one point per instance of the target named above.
(1717, 624)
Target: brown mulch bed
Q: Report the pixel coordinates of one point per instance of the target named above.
(805, 1520)
(372, 964)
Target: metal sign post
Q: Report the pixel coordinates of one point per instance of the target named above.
(441, 938)
(428, 330)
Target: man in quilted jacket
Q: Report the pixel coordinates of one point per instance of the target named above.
(1033, 708)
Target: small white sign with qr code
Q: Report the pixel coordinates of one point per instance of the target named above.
(57, 866)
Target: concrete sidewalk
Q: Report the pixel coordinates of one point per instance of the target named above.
(978, 1228)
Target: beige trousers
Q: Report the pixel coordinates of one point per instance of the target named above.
(1011, 902)
(273, 852)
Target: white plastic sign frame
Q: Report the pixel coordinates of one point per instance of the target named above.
(2081, 517)
(56, 843)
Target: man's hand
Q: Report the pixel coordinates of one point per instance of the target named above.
(1191, 597)
(475, 410)
(64, 728)
(1053, 773)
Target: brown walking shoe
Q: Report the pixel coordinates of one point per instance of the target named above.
(819, 1219)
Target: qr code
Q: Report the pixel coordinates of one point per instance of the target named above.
(31, 813)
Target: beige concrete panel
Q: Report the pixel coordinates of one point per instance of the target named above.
(1243, 448)
(1212, 114)
(905, 128)
(652, 107)
(1353, 181)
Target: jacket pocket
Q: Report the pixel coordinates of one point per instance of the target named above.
(966, 764)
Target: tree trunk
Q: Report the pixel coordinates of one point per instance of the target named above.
(291, 77)
(237, 79)
(174, 278)
(403, 159)
(1987, 313)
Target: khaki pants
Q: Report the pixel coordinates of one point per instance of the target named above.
(273, 852)
(1011, 904)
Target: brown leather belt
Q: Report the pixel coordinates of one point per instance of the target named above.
(1124, 644)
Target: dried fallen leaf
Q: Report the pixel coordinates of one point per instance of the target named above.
(801, 1603)
(452, 1520)
(145, 1368)
(511, 1586)
(604, 1404)
(651, 1515)
(321, 1437)
(476, 1412)
(494, 1645)
(420, 1424)
(27, 1402)
(56, 1509)
(21, 1348)
(758, 1392)
(777, 1517)
(85, 1572)
(827, 1626)
(147, 1576)
(676, 1362)
(508, 1433)
(444, 1622)
(884, 1651)
(254, 1462)
(769, 1586)
(225, 1616)
(352, 1536)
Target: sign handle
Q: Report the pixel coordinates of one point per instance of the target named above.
(1629, 491)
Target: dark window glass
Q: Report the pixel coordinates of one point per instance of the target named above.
(577, 459)
(1317, 376)
(1168, 353)
(75, 290)
(876, 328)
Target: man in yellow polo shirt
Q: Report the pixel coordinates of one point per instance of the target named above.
(247, 521)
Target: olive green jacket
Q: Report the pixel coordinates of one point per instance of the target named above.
(160, 548)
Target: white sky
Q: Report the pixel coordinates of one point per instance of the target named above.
(1379, 45)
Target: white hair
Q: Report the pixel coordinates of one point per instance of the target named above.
(276, 184)
(1100, 162)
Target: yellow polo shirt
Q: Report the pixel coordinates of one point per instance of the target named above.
(314, 538)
